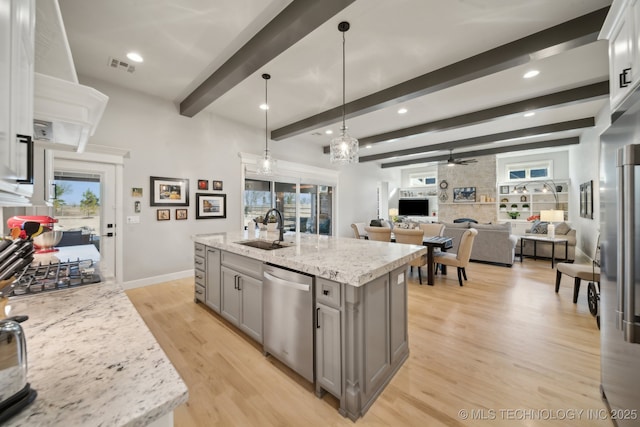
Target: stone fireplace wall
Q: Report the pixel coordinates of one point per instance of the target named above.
(482, 176)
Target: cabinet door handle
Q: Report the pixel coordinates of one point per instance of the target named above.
(318, 318)
(239, 279)
(26, 139)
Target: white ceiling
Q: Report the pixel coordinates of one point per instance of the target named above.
(185, 41)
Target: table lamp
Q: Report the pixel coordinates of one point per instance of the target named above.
(551, 216)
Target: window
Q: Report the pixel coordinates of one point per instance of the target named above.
(422, 179)
(529, 171)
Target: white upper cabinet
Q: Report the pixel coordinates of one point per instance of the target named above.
(622, 29)
(17, 28)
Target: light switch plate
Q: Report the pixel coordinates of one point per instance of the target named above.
(133, 219)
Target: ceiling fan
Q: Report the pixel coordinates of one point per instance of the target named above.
(453, 162)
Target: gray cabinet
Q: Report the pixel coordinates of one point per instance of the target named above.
(199, 272)
(328, 337)
(398, 314)
(212, 275)
(361, 338)
(241, 293)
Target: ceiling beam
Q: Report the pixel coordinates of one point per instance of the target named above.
(296, 21)
(489, 151)
(564, 98)
(552, 41)
(484, 139)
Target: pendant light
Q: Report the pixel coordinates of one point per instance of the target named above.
(344, 148)
(267, 164)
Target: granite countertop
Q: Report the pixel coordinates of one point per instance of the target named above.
(345, 260)
(93, 361)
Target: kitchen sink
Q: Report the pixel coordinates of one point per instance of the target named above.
(267, 245)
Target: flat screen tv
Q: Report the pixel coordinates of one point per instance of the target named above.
(413, 207)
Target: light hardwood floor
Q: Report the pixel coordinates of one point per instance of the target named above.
(505, 346)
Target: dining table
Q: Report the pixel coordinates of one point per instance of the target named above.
(432, 242)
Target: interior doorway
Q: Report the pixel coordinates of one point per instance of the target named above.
(85, 206)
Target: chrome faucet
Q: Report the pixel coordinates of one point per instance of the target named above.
(280, 222)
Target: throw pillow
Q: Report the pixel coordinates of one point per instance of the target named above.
(375, 223)
(539, 227)
(563, 228)
(403, 225)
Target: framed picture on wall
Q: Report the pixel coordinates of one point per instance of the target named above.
(181, 214)
(464, 194)
(163, 214)
(504, 189)
(216, 185)
(169, 191)
(211, 206)
(203, 184)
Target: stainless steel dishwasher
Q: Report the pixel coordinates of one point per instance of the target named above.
(288, 318)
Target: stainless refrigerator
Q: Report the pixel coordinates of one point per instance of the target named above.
(620, 264)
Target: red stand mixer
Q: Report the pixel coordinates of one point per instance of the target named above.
(48, 237)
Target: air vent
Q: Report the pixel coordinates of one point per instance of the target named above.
(316, 134)
(121, 65)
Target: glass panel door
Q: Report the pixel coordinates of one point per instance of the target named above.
(257, 199)
(325, 201)
(84, 205)
(308, 208)
(286, 203)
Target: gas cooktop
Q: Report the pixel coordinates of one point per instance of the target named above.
(54, 276)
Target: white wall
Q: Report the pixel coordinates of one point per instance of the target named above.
(585, 165)
(166, 144)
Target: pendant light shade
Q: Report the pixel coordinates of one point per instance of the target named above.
(267, 164)
(344, 148)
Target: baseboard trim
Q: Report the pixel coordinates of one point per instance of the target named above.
(157, 279)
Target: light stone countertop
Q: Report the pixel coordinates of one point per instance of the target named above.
(342, 259)
(93, 361)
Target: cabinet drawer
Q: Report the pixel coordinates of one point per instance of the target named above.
(199, 292)
(198, 261)
(199, 278)
(242, 264)
(328, 292)
(199, 249)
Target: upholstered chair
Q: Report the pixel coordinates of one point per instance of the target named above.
(382, 234)
(358, 230)
(412, 237)
(432, 229)
(460, 260)
(580, 271)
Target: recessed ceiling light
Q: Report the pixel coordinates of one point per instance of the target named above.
(402, 111)
(264, 107)
(135, 57)
(367, 146)
(531, 73)
(529, 114)
(328, 131)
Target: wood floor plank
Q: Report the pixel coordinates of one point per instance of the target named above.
(504, 347)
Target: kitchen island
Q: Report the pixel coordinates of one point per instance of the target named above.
(93, 361)
(360, 302)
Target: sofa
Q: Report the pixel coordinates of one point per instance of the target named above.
(543, 249)
(494, 243)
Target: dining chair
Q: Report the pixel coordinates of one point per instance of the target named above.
(460, 259)
(580, 271)
(358, 230)
(382, 234)
(412, 237)
(432, 229)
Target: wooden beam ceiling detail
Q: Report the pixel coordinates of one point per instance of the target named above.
(484, 139)
(564, 98)
(552, 41)
(504, 149)
(296, 21)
